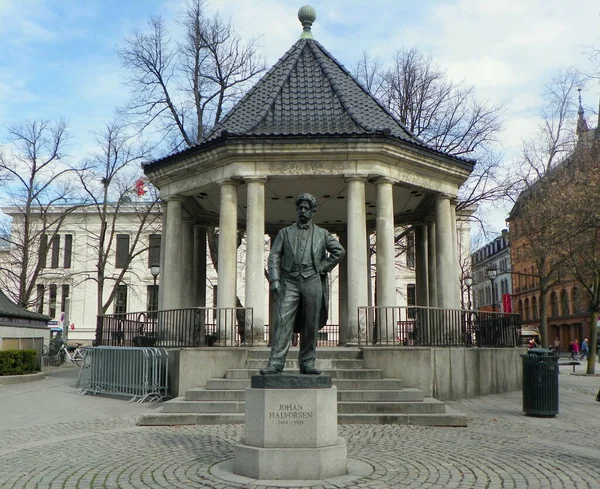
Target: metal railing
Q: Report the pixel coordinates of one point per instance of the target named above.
(138, 373)
(198, 326)
(430, 326)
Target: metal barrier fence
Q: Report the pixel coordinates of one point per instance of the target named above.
(138, 373)
(430, 326)
(198, 326)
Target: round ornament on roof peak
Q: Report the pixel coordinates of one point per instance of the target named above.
(307, 14)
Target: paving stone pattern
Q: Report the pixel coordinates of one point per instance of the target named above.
(53, 438)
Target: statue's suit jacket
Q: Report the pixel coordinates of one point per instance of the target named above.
(326, 252)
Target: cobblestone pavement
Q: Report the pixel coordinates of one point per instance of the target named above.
(50, 437)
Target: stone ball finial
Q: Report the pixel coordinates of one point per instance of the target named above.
(307, 15)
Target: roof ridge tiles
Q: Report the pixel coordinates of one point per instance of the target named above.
(330, 56)
(285, 76)
(319, 56)
(250, 92)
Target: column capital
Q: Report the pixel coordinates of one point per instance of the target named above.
(355, 177)
(382, 179)
(229, 181)
(174, 198)
(256, 178)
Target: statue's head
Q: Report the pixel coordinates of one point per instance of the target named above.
(306, 205)
(309, 198)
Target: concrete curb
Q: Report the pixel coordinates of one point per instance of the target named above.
(21, 379)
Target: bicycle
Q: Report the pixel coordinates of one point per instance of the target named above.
(76, 357)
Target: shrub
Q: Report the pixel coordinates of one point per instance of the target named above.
(17, 362)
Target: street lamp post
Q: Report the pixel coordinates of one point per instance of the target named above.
(468, 282)
(492, 272)
(155, 270)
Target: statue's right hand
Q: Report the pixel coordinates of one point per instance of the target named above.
(275, 286)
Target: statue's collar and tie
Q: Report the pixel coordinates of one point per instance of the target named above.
(304, 226)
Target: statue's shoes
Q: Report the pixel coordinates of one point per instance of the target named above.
(270, 370)
(310, 370)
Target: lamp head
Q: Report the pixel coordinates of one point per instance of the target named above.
(492, 272)
(155, 270)
(468, 281)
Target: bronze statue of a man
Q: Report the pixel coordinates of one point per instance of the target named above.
(301, 257)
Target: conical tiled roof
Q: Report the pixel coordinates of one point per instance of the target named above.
(309, 93)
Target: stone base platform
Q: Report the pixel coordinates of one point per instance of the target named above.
(291, 463)
(291, 430)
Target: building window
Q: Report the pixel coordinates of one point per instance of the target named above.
(575, 300)
(152, 301)
(68, 250)
(564, 302)
(411, 300)
(52, 299)
(554, 304)
(41, 290)
(55, 251)
(122, 250)
(121, 299)
(527, 316)
(63, 298)
(520, 308)
(43, 250)
(154, 250)
(410, 250)
(534, 307)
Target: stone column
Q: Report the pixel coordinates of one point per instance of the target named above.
(171, 266)
(421, 266)
(447, 282)
(386, 270)
(227, 280)
(357, 259)
(431, 262)
(199, 278)
(255, 259)
(163, 268)
(199, 266)
(187, 264)
(343, 293)
(456, 252)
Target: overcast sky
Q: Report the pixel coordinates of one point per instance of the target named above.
(58, 59)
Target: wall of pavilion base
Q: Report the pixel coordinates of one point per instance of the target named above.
(443, 373)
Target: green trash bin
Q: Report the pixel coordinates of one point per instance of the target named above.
(540, 382)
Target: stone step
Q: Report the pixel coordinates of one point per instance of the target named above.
(181, 405)
(358, 374)
(348, 353)
(227, 384)
(203, 394)
(405, 395)
(367, 384)
(427, 406)
(325, 363)
(341, 384)
(449, 418)
(171, 419)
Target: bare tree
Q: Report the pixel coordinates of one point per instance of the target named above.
(182, 89)
(443, 114)
(536, 221)
(108, 182)
(39, 189)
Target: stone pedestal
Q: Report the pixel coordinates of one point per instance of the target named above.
(291, 430)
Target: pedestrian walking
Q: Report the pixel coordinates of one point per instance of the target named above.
(584, 349)
(557, 346)
(573, 349)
